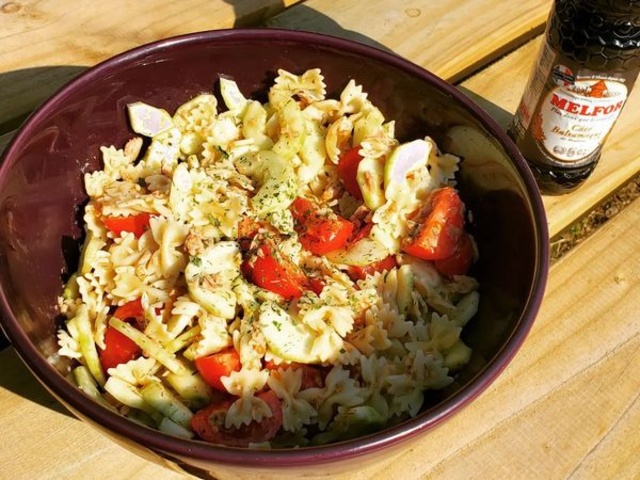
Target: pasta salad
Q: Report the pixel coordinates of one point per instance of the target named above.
(270, 274)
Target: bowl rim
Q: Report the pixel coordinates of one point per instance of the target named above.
(318, 455)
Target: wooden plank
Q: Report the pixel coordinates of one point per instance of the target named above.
(498, 90)
(42, 440)
(566, 406)
(435, 35)
(43, 44)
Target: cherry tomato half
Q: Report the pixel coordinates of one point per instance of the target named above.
(461, 259)
(136, 224)
(321, 230)
(348, 172)
(131, 310)
(269, 269)
(208, 423)
(439, 226)
(217, 365)
(360, 273)
(118, 347)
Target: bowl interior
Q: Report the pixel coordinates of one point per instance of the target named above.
(41, 190)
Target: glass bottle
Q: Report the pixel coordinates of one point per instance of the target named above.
(588, 63)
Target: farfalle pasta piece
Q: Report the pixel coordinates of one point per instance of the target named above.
(254, 125)
(68, 346)
(373, 336)
(309, 87)
(169, 235)
(92, 294)
(122, 198)
(139, 371)
(213, 337)
(163, 153)
(297, 412)
(353, 99)
(184, 313)
(338, 138)
(323, 111)
(339, 389)
(247, 408)
(196, 114)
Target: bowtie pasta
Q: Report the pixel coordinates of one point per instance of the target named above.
(270, 274)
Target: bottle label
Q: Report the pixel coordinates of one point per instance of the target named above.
(568, 110)
(576, 116)
(537, 79)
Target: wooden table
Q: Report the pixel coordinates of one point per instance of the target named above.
(567, 406)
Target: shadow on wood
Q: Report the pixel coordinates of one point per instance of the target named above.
(16, 378)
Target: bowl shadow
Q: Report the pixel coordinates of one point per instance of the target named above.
(311, 21)
(25, 89)
(16, 378)
(500, 115)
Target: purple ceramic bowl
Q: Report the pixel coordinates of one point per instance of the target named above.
(41, 195)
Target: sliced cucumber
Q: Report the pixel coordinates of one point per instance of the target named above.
(148, 120)
(367, 126)
(384, 237)
(287, 338)
(192, 388)
(81, 329)
(233, 98)
(164, 401)
(351, 422)
(404, 297)
(85, 382)
(293, 130)
(363, 252)
(130, 396)
(170, 427)
(370, 178)
(254, 124)
(92, 245)
(405, 158)
(210, 278)
(71, 289)
(457, 355)
(466, 308)
(277, 180)
(151, 347)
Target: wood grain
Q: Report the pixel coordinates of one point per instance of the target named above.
(498, 89)
(435, 35)
(43, 44)
(567, 406)
(46, 442)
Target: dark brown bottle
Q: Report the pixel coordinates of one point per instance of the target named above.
(586, 69)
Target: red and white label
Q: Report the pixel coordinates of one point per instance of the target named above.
(576, 118)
